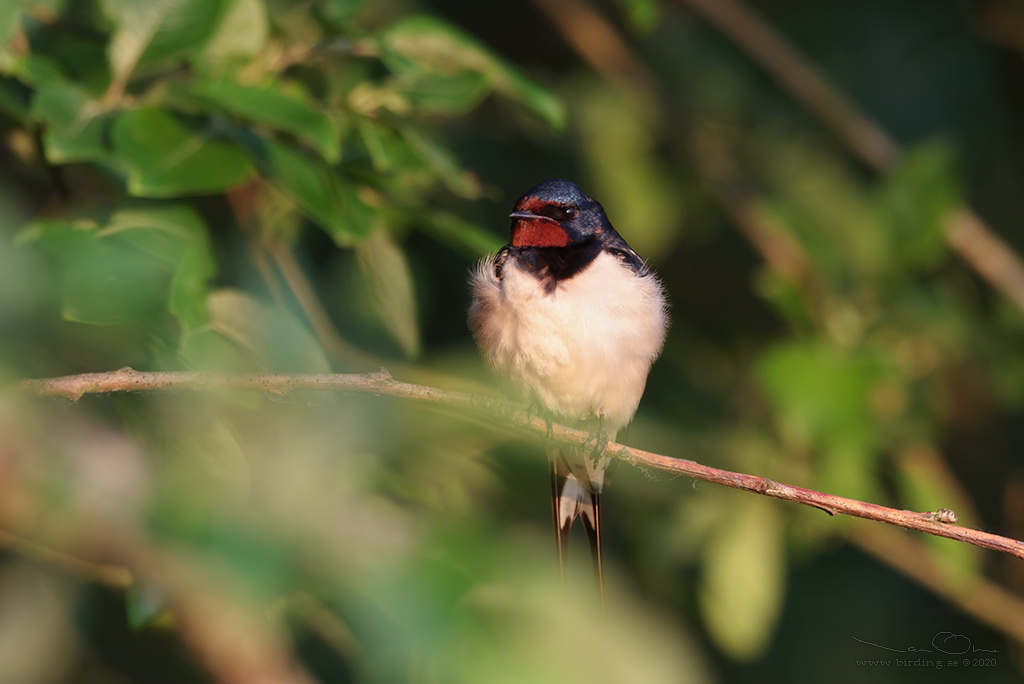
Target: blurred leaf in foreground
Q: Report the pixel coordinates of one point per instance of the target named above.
(143, 260)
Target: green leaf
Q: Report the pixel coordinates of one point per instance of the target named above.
(314, 187)
(358, 216)
(241, 34)
(916, 200)
(289, 112)
(386, 273)
(74, 124)
(821, 392)
(821, 396)
(742, 578)
(144, 261)
(449, 95)
(245, 334)
(77, 51)
(304, 179)
(424, 51)
(415, 158)
(341, 11)
(38, 71)
(177, 235)
(642, 14)
(158, 30)
(441, 160)
(389, 151)
(167, 156)
(105, 280)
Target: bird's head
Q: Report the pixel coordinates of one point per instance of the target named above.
(556, 213)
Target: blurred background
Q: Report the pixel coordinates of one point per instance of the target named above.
(831, 193)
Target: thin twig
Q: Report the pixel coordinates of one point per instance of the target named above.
(987, 254)
(381, 383)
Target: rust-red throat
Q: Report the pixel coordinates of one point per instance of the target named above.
(539, 231)
(533, 229)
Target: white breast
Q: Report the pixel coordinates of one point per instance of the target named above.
(585, 348)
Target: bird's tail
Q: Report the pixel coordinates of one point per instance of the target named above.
(576, 493)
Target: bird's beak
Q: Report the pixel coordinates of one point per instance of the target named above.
(527, 216)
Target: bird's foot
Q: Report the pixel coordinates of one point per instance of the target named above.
(535, 409)
(601, 446)
(600, 439)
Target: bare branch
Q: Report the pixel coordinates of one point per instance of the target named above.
(599, 43)
(381, 383)
(796, 74)
(987, 253)
(984, 251)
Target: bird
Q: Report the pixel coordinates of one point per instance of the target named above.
(574, 319)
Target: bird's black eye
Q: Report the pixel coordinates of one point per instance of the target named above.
(563, 213)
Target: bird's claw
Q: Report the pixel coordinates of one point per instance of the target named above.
(600, 439)
(534, 408)
(601, 445)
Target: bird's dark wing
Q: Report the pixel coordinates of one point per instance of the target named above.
(627, 256)
(499, 261)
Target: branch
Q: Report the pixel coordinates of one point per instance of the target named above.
(600, 44)
(795, 73)
(984, 251)
(938, 523)
(107, 574)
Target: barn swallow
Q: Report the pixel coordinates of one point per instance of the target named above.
(571, 315)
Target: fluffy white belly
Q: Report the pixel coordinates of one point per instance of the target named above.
(585, 348)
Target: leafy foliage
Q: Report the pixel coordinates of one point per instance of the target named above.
(258, 185)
